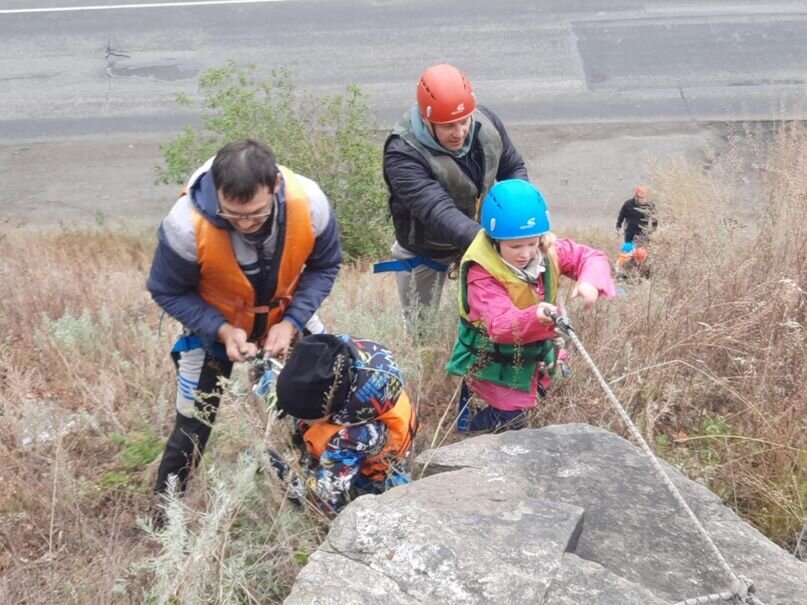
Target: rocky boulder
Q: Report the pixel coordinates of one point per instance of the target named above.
(557, 516)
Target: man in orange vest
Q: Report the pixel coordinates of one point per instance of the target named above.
(355, 424)
(244, 259)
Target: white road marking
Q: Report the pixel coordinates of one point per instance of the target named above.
(68, 9)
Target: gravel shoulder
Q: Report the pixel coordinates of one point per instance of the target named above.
(585, 170)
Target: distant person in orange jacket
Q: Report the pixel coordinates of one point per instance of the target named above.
(638, 215)
(631, 261)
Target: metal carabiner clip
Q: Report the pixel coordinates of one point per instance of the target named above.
(265, 374)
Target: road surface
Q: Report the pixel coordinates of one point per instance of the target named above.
(594, 92)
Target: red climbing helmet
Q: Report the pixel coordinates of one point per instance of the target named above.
(640, 254)
(445, 95)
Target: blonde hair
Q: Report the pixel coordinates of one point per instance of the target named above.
(546, 244)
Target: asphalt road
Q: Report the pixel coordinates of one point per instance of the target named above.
(593, 91)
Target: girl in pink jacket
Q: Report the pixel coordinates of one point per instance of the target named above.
(505, 347)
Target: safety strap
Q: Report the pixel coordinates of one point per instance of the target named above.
(188, 342)
(408, 264)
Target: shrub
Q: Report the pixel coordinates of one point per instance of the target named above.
(78, 335)
(326, 138)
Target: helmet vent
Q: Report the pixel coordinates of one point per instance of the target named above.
(427, 89)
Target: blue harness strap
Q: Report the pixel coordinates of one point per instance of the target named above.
(189, 342)
(408, 264)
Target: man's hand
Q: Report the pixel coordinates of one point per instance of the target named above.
(588, 292)
(279, 338)
(236, 343)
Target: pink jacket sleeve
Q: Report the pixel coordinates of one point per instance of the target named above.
(506, 324)
(582, 263)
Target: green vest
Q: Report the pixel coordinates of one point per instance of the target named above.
(474, 354)
(467, 197)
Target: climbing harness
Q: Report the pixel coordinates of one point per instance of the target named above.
(742, 588)
(408, 264)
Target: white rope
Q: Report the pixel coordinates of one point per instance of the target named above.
(739, 587)
(802, 534)
(719, 597)
(710, 598)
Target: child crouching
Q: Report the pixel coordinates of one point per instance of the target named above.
(354, 422)
(508, 280)
(631, 262)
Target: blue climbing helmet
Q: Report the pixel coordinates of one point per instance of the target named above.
(514, 209)
(627, 248)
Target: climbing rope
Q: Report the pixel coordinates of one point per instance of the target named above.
(741, 588)
(720, 597)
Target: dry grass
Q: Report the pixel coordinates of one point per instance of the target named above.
(708, 357)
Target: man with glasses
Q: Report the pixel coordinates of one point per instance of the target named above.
(244, 259)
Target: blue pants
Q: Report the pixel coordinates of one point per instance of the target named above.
(365, 485)
(492, 419)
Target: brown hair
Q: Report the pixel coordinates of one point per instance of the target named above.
(242, 167)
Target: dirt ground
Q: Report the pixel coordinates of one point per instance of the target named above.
(585, 171)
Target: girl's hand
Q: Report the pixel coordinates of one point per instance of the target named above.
(544, 317)
(588, 292)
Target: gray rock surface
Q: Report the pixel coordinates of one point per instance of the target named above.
(579, 581)
(556, 516)
(416, 548)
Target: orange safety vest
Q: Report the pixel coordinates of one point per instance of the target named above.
(223, 284)
(401, 424)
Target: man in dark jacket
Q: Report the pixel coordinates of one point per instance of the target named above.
(440, 160)
(244, 259)
(638, 214)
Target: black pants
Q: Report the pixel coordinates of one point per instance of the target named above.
(187, 442)
(636, 235)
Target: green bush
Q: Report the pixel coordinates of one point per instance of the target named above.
(137, 451)
(78, 334)
(326, 138)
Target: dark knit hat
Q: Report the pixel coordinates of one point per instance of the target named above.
(315, 381)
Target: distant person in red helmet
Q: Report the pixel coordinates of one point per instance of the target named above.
(638, 215)
(631, 261)
(440, 160)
